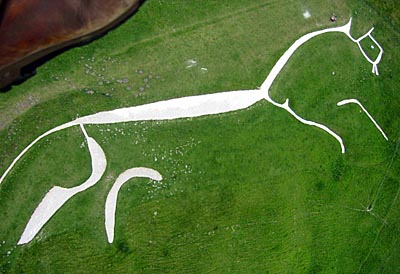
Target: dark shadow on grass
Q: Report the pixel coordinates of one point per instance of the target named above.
(29, 70)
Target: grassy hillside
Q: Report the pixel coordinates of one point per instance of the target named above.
(252, 191)
(389, 9)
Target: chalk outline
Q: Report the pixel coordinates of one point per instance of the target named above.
(111, 201)
(355, 101)
(191, 106)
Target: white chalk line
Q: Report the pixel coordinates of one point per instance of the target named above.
(311, 123)
(191, 106)
(286, 56)
(175, 108)
(379, 57)
(111, 201)
(184, 107)
(282, 62)
(355, 101)
(31, 145)
(58, 196)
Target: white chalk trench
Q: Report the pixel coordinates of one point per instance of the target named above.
(191, 106)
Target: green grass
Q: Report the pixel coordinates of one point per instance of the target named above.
(388, 9)
(252, 191)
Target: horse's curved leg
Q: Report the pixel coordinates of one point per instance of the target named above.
(111, 202)
(355, 101)
(286, 107)
(58, 196)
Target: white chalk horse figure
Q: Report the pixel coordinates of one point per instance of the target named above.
(192, 106)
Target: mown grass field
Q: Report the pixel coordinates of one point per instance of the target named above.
(252, 191)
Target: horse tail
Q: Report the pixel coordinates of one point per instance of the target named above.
(66, 125)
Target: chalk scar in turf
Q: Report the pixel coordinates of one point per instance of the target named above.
(111, 201)
(355, 101)
(58, 196)
(191, 106)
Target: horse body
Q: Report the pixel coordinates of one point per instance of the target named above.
(185, 107)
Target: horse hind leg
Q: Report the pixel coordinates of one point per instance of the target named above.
(58, 196)
(111, 201)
